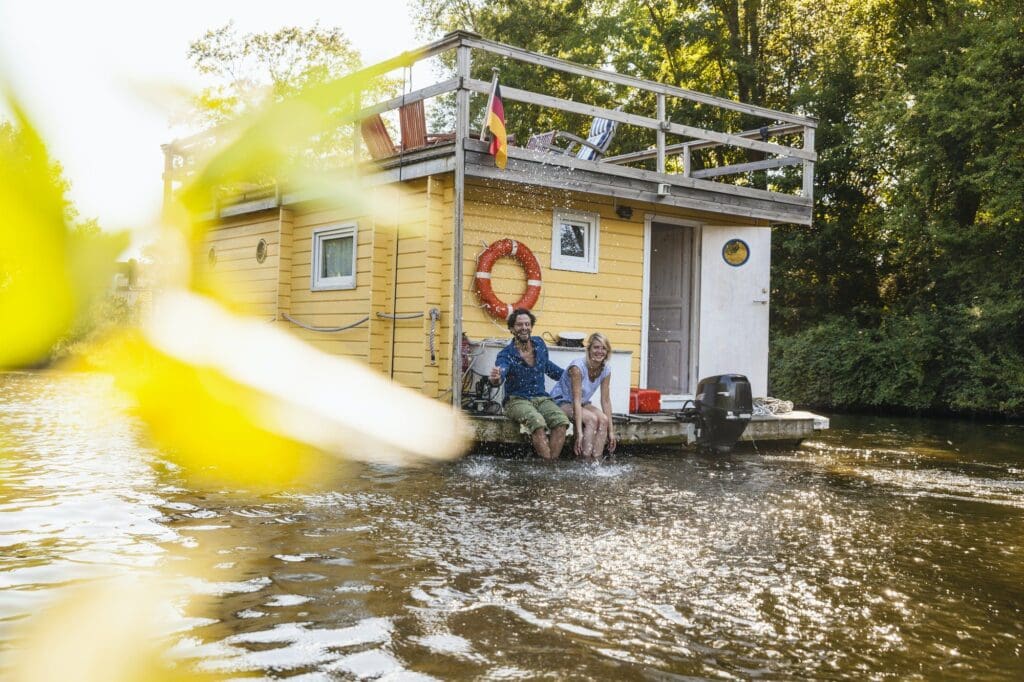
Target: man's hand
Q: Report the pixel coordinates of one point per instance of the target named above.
(495, 376)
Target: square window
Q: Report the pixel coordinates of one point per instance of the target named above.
(334, 258)
(574, 241)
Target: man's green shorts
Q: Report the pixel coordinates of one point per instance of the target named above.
(535, 413)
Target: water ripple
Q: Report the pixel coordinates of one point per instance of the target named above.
(879, 549)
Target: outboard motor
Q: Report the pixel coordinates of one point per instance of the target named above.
(724, 406)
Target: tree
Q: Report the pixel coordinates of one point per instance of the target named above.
(250, 70)
(784, 54)
(255, 69)
(52, 265)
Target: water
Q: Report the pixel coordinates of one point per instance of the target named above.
(885, 548)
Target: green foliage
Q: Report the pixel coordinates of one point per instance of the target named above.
(107, 314)
(907, 290)
(251, 71)
(257, 68)
(968, 360)
(50, 271)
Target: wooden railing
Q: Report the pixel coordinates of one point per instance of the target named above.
(178, 154)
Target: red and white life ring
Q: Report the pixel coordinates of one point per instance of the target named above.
(501, 249)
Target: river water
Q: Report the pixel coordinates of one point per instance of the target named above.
(884, 548)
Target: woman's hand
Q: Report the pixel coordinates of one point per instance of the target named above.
(612, 441)
(577, 440)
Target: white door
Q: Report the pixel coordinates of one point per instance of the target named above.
(734, 303)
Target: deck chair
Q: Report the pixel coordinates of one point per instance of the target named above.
(413, 121)
(377, 138)
(602, 130)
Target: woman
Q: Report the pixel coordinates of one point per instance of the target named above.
(593, 427)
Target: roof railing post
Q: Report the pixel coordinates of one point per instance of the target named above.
(168, 150)
(808, 167)
(661, 133)
(356, 147)
(462, 68)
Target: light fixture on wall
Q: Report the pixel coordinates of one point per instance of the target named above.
(624, 212)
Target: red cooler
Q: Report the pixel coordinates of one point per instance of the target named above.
(644, 401)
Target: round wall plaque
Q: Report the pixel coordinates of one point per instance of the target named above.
(735, 252)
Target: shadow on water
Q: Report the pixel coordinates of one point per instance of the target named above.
(882, 548)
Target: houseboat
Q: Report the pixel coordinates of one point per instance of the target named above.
(658, 247)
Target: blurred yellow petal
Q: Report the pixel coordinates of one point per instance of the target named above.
(48, 274)
(242, 400)
(107, 632)
(37, 301)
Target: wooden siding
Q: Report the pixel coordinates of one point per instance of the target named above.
(610, 300)
(331, 308)
(286, 223)
(236, 275)
(399, 280)
(437, 289)
(416, 218)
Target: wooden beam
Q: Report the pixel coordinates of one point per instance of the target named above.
(715, 207)
(462, 70)
(808, 188)
(686, 147)
(640, 173)
(745, 167)
(510, 93)
(660, 135)
(450, 85)
(630, 81)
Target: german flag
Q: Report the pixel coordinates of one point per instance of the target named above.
(496, 124)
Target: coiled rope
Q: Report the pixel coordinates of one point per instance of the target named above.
(766, 407)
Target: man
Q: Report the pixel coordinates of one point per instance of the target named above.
(522, 365)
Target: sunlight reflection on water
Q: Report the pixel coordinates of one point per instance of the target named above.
(871, 551)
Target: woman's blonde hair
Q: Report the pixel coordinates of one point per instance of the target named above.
(598, 336)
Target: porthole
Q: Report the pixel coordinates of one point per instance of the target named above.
(261, 251)
(211, 256)
(735, 252)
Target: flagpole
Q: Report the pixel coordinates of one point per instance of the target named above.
(490, 102)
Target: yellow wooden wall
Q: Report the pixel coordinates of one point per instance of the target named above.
(399, 282)
(331, 308)
(409, 226)
(412, 225)
(236, 275)
(609, 300)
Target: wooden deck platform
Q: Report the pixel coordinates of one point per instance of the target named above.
(665, 429)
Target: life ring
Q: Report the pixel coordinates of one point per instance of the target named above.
(484, 290)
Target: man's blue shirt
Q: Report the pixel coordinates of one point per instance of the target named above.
(521, 379)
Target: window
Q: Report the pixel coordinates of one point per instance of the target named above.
(574, 241)
(334, 257)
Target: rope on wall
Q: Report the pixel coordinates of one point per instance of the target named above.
(324, 329)
(435, 315)
(399, 316)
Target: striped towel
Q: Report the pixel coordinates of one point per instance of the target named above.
(601, 131)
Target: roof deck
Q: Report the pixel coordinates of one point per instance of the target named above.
(682, 166)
